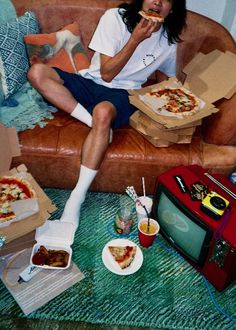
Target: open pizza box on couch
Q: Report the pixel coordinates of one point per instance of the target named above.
(209, 78)
(19, 233)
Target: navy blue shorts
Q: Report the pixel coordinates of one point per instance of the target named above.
(88, 93)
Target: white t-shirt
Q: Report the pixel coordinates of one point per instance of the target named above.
(151, 54)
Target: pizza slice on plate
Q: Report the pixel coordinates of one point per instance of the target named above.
(12, 189)
(123, 255)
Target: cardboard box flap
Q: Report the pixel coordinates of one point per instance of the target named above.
(9, 147)
(212, 76)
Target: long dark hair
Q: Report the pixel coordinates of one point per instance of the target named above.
(174, 22)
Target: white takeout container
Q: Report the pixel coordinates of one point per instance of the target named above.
(54, 235)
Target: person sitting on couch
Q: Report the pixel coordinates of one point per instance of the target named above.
(128, 49)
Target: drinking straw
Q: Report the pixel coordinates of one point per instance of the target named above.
(143, 184)
(144, 194)
(133, 195)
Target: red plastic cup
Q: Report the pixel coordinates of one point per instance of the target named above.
(146, 237)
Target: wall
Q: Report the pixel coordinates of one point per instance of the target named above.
(222, 11)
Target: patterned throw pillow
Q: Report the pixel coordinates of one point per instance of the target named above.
(62, 49)
(13, 57)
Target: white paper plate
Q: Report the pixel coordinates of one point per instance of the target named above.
(110, 263)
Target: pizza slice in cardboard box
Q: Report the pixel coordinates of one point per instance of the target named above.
(210, 77)
(35, 211)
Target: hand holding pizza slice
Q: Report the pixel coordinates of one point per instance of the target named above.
(152, 15)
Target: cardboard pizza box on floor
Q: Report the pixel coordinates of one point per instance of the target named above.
(161, 139)
(210, 77)
(22, 231)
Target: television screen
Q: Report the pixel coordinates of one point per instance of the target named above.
(182, 228)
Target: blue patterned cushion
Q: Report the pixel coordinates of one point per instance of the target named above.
(13, 57)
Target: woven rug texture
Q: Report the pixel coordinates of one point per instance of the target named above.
(166, 292)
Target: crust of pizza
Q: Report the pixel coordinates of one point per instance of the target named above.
(123, 255)
(12, 189)
(152, 15)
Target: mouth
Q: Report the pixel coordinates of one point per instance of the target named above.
(157, 11)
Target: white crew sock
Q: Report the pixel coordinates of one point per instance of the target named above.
(82, 114)
(72, 208)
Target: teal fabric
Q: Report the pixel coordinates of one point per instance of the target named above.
(1, 93)
(14, 62)
(165, 293)
(7, 13)
(30, 111)
(21, 106)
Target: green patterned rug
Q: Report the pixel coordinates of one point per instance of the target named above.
(166, 292)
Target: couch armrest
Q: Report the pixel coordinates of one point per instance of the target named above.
(220, 128)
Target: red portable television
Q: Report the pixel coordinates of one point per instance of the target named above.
(197, 215)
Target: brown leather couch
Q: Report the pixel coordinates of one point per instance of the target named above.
(52, 153)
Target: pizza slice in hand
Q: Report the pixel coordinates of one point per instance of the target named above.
(152, 15)
(123, 255)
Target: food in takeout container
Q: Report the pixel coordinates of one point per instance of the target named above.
(53, 247)
(17, 199)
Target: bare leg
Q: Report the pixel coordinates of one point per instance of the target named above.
(93, 153)
(96, 143)
(50, 85)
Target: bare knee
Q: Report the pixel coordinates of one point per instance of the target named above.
(103, 115)
(39, 73)
(35, 74)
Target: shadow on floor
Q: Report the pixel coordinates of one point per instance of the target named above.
(29, 324)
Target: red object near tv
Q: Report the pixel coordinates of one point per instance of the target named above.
(197, 216)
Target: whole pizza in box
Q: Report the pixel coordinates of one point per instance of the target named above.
(173, 101)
